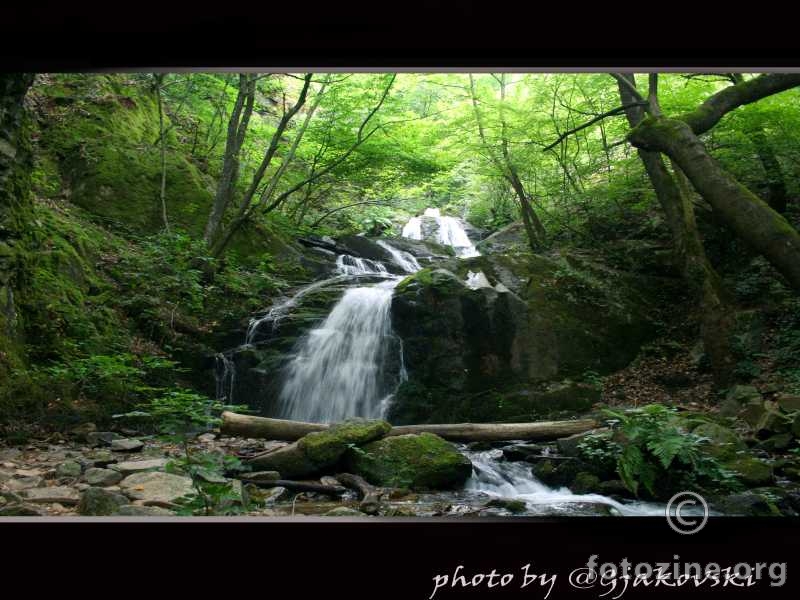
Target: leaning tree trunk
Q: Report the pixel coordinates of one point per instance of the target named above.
(674, 195)
(278, 429)
(765, 230)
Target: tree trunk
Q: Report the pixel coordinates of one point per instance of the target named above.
(248, 426)
(159, 79)
(765, 230)
(674, 195)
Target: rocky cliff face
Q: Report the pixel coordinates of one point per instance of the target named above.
(15, 210)
(502, 348)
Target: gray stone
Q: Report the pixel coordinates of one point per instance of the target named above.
(127, 445)
(61, 494)
(138, 466)
(134, 510)
(263, 476)
(70, 468)
(9, 454)
(23, 483)
(568, 446)
(102, 477)
(20, 510)
(100, 458)
(206, 438)
(99, 502)
(157, 487)
(102, 438)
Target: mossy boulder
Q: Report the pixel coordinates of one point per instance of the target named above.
(539, 320)
(751, 471)
(417, 462)
(325, 448)
(722, 443)
(320, 450)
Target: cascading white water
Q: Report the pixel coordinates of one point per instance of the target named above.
(504, 479)
(340, 370)
(405, 260)
(413, 229)
(449, 232)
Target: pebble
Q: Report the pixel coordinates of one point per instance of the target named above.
(127, 445)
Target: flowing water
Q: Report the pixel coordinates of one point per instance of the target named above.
(351, 364)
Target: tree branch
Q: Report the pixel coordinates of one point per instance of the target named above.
(611, 113)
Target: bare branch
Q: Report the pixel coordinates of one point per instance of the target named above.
(611, 113)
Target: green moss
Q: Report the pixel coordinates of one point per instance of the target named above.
(751, 471)
(325, 448)
(423, 461)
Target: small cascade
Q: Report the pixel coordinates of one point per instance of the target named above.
(449, 232)
(405, 260)
(225, 376)
(503, 479)
(351, 265)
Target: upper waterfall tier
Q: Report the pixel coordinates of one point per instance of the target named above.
(445, 230)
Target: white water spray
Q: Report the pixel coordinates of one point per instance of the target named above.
(450, 232)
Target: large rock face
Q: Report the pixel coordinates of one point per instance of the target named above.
(486, 353)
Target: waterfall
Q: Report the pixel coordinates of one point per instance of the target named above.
(343, 368)
(405, 260)
(225, 377)
(449, 232)
(413, 229)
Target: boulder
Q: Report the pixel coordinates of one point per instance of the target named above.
(722, 443)
(423, 461)
(96, 501)
(489, 353)
(511, 505)
(751, 471)
(69, 469)
(344, 511)
(320, 450)
(102, 477)
(157, 486)
(749, 504)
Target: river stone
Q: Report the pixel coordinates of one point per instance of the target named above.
(61, 494)
(100, 458)
(137, 466)
(134, 510)
(414, 461)
(70, 469)
(127, 445)
(723, 443)
(102, 477)
(157, 486)
(102, 438)
(17, 484)
(747, 504)
(510, 504)
(99, 502)
(10, 454)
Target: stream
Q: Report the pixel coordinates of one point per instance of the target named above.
(351, 364)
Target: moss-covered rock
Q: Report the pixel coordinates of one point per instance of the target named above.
(751, 471)
(540, 319)
(722, 443)
(325, 448)
(423, 461)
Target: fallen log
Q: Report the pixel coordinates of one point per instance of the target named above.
(370, 495)
(299, 486)
(249, 426)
